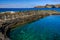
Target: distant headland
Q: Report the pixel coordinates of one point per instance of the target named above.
(48, 6)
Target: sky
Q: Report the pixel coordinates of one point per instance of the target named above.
(25, 3)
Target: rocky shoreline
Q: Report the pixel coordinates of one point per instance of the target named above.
(48, 6)
(12, 19)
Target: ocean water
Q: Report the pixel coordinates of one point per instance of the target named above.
(47, 28)
(23, 9)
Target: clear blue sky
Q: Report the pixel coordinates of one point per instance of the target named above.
(25, 3)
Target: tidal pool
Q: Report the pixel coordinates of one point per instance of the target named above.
(47, 28)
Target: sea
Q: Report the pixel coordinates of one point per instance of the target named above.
(47, 28)
(26, 9)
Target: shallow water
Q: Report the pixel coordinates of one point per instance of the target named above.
(47, 28)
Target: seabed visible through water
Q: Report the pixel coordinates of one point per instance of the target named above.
(47, 28)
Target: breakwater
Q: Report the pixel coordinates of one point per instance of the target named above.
(11, 19)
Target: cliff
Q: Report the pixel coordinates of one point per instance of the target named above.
(48, 6)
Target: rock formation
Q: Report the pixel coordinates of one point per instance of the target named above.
(48, 6)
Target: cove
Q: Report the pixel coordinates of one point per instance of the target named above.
(47, 28)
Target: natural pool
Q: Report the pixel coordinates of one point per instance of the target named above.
(47, 28)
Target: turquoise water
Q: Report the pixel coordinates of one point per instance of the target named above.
(47, 28)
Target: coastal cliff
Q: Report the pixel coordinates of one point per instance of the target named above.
(48, 6)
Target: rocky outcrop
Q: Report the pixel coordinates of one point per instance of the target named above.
(49, 6)
(57, 6)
